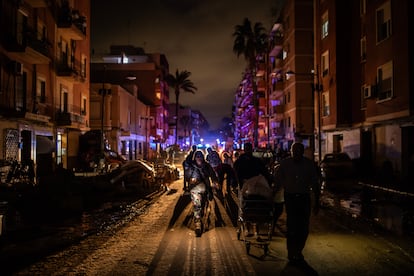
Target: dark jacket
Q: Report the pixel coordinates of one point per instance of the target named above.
(248, 166)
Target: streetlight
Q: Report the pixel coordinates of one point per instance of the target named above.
(316, 87)
(103, 92)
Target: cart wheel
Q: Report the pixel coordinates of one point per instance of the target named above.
(266, 249)
(247, 247)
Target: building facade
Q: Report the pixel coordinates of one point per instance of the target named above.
(367, 100)
(141, 129)
(44, 82)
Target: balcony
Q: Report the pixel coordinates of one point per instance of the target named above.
(71, 72)
(279, 109)
(68, 118)
(28, 46)
(71, 24)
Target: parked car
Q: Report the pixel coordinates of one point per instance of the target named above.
(113, 160)
(139, 174)
(337, 166)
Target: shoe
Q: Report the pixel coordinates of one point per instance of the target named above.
(303, 265)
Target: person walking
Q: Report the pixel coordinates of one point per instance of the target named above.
(248, 166)
(187, 166)
(298, 176)
(228, 159)
(251, 171)
(200, 182)
(213, 158)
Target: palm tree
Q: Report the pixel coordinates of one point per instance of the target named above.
(185, 122)
(250, 42)
(179, 82)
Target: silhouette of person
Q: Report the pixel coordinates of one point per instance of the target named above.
(298, 176)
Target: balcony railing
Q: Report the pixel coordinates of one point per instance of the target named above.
(29, 46)
(64, 117)
(70, 70)
(71, 23)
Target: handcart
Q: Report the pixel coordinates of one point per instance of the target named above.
(255, 222)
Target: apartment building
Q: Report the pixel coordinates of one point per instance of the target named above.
(291, 75)
(44, 85)
(137, 128)
(339, 77)
(363, 50)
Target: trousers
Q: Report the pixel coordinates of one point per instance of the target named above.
(298, 210)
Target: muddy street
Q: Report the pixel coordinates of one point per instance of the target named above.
(161, 241)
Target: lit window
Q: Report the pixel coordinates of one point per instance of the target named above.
(325, 25)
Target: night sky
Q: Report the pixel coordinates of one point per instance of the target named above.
(194, 35)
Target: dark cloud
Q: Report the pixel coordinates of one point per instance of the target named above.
(194, 35)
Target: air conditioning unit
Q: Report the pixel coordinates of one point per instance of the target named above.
(367, 91)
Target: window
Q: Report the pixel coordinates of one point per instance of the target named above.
(41, 91)
(363, 49)
(384, 84)
(21, 27)
(41, 31)
(325, 103)
(365, 93)
(64, 49)
(83, 66)
(20, 92)
(383, 21)
(325, 25)
(64, 101)
(83, 110)
(325, 63)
